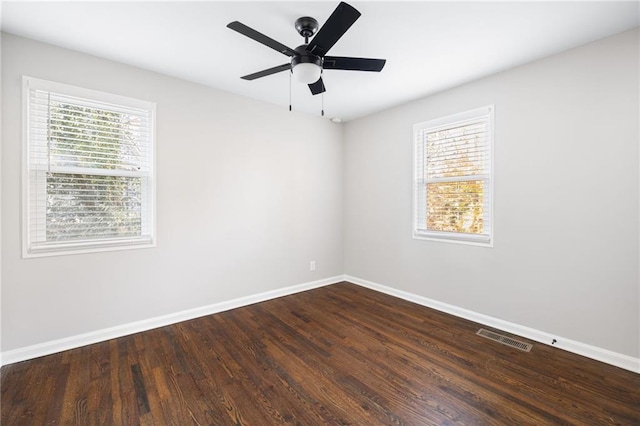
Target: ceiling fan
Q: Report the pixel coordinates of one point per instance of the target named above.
(309, 59)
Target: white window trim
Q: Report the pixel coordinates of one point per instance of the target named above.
(106, 244)
(453, 237)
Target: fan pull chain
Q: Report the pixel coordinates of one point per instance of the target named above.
(290, 72)
(322, 110)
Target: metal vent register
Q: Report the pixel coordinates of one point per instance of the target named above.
(505, 340)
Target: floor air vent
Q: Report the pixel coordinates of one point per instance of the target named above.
(505, 340)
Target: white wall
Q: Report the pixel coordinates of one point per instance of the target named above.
(244, 203)
(566, 254)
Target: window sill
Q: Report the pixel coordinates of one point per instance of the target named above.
(449, 237)
(46, 250)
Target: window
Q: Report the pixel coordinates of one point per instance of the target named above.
(454, 178)
(88, 170)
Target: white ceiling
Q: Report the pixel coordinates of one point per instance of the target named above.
(429, 46)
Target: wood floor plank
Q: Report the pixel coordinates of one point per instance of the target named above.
(340, 354)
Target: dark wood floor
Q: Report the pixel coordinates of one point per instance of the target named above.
(340, 354)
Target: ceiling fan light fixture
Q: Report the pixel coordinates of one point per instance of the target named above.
(307, 72)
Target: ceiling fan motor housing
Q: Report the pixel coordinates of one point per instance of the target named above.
(305, 57)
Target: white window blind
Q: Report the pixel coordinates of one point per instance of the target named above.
(453, 178)
(88, 170)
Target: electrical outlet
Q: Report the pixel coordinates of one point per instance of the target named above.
(312, 265)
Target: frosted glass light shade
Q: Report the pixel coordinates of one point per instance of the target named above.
(307, 72)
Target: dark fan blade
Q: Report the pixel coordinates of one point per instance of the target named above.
(338, 23)
(353, 64)
(261, 38)
(267, 72)
(317, 87)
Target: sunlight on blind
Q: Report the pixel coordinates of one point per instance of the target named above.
(89, 206)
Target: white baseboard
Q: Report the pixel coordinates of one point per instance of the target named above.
(613, 358)
(71, 342)
(58, 345)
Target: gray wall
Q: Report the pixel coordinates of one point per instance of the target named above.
(565, 259)
(243, 204)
